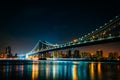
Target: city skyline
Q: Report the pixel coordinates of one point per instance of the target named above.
(23, 25)
(60, 40)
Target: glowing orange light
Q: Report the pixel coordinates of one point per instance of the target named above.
(75, 75)
(92, 71)
(75, 40)
(34, 72)
(99, 70)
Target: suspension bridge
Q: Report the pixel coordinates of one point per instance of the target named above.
(109, 32)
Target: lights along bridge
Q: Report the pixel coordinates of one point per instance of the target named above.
(110, 32)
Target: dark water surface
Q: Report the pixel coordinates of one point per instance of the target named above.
(61, 70)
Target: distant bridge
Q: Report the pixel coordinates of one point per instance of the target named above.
(110, 32)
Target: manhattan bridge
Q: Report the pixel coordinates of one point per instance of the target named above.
(109, 32)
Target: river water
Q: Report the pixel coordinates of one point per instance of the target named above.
(61, 70)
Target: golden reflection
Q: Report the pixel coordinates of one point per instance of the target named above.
(16, 67)
(92, 71)
(34, 71)
(54, 71)
(22, 68)
(75, 72)
(47, 70)
(118, 67)
(4, 69)
(99, 70)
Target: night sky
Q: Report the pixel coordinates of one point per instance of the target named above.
(23, 23)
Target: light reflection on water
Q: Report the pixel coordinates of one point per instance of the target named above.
(35, 70)
(61, 70)
(92, 71)
(75, 72)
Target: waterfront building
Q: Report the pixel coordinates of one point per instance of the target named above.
(85, 55)
(8, 51)
(68, 54)
(76, 54)
(3, 55)
(99, 54)
(113, 56)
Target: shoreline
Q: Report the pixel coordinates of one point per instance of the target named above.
(28, 61)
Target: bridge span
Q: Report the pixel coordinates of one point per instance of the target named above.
(109, 32)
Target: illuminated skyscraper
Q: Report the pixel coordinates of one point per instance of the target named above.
(8, 51)
(99, 54)
(76, 54)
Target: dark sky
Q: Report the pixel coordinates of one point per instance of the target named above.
(23, 23)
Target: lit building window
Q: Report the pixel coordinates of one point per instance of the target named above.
(93, 37)
(75, 40)
(109, 34)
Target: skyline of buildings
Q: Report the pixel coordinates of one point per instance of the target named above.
(76, 53)
(60, 40)
(7, 53)
(26, 24)
(90, 50)
(107, 33)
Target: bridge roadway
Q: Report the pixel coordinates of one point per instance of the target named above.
(105, 34)
(80, 44)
